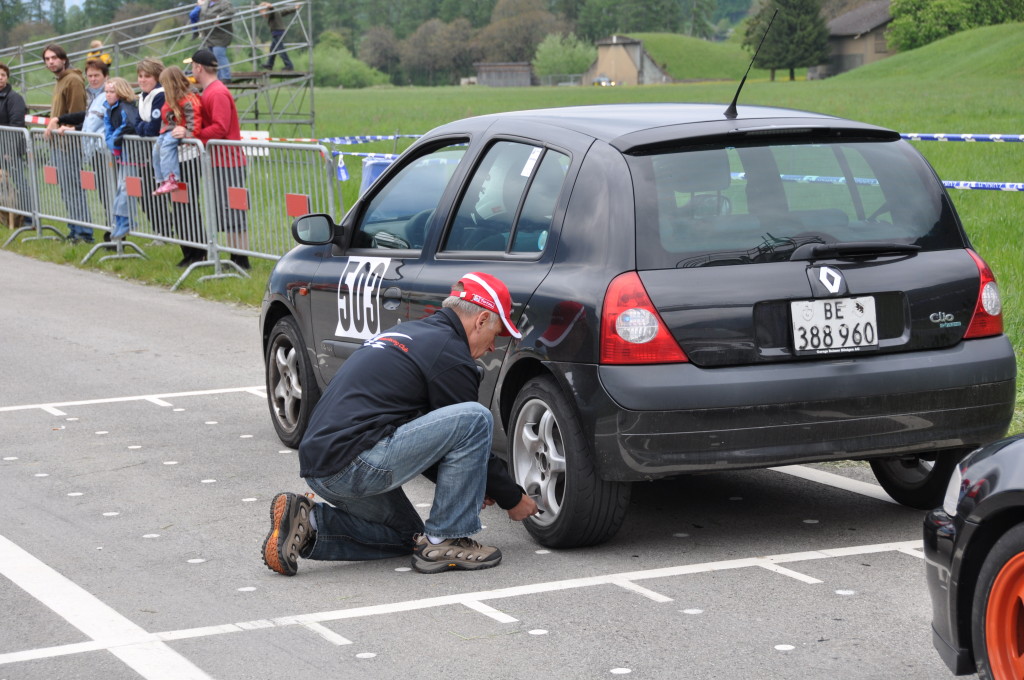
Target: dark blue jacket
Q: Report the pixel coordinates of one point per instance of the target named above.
(121, 119)
(398, 376)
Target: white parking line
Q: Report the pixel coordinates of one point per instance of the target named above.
(146, 654)
(838, 481)
(473, 601)
(159, 399)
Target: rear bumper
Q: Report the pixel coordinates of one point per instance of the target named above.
(655, 421)
(941, 570)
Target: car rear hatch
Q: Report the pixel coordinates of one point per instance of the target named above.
(799, 246)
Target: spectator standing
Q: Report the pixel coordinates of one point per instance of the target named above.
(276, 22)
(121, 118)
(150, 103)
(220, 34)
(181, 108)
(220, 121)
(405, 404)
(12, 114)
(68, 96)
(97, 54)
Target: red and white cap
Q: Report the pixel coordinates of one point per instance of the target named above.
(490, 293)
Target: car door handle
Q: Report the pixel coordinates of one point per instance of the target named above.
(392, 298)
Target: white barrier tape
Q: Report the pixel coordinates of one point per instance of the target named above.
(942, 137)
(949, 184)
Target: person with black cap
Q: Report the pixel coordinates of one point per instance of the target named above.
(402, 405)
(220, 121)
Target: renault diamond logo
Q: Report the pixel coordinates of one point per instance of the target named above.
(831, 279)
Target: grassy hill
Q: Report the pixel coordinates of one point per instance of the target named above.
(687, 58)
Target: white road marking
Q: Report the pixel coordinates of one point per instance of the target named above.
(144, 653)
(473, 600)
(327, 634)
(789, 572)
(649, 594)
(153, 398)
(487, 610)
(838, 481)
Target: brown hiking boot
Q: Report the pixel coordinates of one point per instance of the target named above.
(453, 553)
(290, 532)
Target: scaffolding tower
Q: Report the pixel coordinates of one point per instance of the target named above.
(277, 101)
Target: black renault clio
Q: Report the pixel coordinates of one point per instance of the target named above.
(697, 291)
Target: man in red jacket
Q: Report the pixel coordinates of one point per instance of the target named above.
(220, 121)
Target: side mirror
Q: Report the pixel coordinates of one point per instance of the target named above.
(313, 230)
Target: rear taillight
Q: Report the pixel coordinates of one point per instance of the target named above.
(988, 312)
(632, 332)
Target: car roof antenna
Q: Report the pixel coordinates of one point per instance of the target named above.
(730, 112)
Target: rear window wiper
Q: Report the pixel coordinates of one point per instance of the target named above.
(813, 251)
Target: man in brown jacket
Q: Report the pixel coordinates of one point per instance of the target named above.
(68, 97)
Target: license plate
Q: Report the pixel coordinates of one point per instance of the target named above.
(834, 326)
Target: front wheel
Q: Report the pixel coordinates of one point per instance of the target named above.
(550, 458)
(292, 391)
(916, 481)
(997, 614)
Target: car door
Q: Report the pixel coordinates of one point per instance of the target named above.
(363, 288)
(505, 223)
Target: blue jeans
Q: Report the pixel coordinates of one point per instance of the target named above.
(223, 70)
(165, 157)
(276, 48)
(370, 517)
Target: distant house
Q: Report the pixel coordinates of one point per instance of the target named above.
(504, 74)
(856, 38)
(622, 60)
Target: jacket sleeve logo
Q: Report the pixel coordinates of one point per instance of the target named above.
(359, 297)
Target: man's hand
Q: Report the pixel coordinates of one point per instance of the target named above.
(179, 132)
(526, 507)
(51, 125)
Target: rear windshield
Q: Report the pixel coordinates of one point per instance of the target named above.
(734, 205)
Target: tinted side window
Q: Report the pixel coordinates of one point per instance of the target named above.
(509, 201)
(398, 214)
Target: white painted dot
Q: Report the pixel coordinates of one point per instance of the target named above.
(99, 547)
(845, 592)
(75, 493)
(248, 500)
(423, 505)
(196, 560)
(538, 631)
(245, 436)
(621, 671)
(785, 648)
(178, 409)
(365, 655)
(736, 498)
(810, 521)
(208, 481)
(681, 535)
(211, 422)
(246, 589)
(542, 552)
(403, 569)
(134, 447)
(102, 432)
(285, 451)
(71, 419)
(111, 514)
(483, 526)
(693, 611)
(170, 462)
(42, 474)
(11, 458)
(151, 535)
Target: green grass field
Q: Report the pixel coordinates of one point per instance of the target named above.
(970, 82)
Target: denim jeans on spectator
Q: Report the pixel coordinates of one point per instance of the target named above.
(277, 48)
(223, 69)
(165, 157)
(370, 517)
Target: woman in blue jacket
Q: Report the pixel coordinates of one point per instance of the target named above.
(121, 118)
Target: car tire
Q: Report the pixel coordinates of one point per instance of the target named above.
(915, 481)
(997, 613)
(292, 391)
(550, 457)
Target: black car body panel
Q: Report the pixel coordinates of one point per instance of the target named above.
(991, 501)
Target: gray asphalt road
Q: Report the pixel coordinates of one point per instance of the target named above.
(137, 467)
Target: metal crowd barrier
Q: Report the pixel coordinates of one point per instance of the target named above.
(18, 205)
